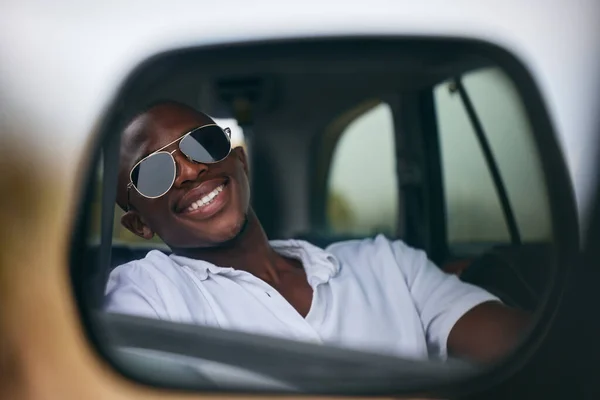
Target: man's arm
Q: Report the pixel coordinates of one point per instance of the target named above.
(487, 332)
(459, 319)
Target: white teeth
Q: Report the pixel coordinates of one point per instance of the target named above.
(206, 199)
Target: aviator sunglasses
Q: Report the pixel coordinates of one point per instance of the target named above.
(154, 175)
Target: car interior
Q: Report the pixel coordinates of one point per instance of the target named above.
(352, 138)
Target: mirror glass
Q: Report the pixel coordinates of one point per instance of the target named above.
(310, 217)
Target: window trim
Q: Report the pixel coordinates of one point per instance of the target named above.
(434, 182)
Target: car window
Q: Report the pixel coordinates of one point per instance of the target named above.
(473, 210)
(362, 174)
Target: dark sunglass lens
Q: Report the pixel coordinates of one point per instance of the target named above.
(206, 145)
(154, 176)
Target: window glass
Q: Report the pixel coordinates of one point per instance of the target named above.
(473, 209)
(507, 128)
(362, 190)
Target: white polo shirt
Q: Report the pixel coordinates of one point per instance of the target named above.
(374, 295)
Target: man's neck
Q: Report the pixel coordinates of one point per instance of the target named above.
(250, 251)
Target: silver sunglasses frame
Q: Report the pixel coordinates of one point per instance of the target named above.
(130, 185)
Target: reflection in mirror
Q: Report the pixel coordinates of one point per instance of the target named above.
(403, 217)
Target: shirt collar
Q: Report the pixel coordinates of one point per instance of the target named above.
(320, 266)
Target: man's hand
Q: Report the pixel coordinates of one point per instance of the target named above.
(487, 332)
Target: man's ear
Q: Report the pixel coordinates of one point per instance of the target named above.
(133, 222)
(241, 155)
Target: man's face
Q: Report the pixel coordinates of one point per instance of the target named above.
(179, 217)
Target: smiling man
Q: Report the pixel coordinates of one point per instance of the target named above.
(180, 179)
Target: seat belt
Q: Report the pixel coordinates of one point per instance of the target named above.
(110, 170)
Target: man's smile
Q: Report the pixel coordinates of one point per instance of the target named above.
(206, 199)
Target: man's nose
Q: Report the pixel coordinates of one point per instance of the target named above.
(187, 170)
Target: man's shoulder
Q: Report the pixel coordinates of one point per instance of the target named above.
(379, 244)
(141, 286)
(379, 252)
(154, 265)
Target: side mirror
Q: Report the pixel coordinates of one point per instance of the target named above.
(440, 135)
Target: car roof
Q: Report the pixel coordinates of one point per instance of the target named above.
(64, 82)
